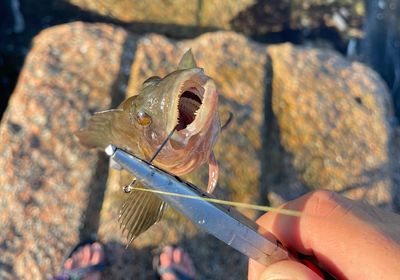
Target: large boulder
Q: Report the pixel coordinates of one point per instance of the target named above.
(47, 179)
(178, 18)
(340, 17)
(252, 17)
(333, 119)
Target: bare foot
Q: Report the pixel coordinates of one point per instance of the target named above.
(90, 254)
(175, 259)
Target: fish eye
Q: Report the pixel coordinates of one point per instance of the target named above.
(151, 81)
(143, 118)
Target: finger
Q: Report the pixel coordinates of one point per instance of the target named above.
(336, 230)
(255, 270)
(288, 270)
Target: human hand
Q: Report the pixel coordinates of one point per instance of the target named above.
(350, 239)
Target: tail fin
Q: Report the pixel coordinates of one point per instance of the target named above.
(98, 132)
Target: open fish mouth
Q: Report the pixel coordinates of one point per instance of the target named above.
(195, 103)
(189, 104)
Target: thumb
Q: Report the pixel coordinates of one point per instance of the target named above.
(289, 270)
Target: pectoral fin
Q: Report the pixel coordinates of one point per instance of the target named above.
(212, 173)
(139, 212)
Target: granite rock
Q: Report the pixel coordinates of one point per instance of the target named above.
(342, 17)
(252, 17)
(333, 119)
(178, 18)
(45, 175)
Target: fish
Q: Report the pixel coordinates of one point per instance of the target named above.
(184, 103)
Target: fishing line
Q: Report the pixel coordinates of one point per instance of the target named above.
(229, 203)
(215, 200)
(163, 144)
(242, 205)
(129, 188)
(262, 208)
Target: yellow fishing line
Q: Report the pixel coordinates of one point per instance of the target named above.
(229, 203)
(287, 212)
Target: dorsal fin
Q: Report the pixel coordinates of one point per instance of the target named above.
(187, 61)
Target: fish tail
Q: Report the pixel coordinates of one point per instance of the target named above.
(98, 133)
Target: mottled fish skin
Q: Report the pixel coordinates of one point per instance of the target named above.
(186, 99)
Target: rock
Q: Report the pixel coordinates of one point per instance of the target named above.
(271, 21)
(158, 12)
(240, 69)
(177, 18)
(332, 116)
(45, 175)
(340, 17)
(252, 17)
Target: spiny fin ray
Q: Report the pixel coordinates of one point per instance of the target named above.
(187, 61)
(139, 212)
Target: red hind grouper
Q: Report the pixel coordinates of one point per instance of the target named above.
(185, 99)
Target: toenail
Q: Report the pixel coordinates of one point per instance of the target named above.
(96, 246)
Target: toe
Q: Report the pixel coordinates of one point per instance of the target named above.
(177, 256)
(68, 264)
(166, 256)
(177, 259)
(76, 258)
(188, 264)
(86, 254)
(97, 253)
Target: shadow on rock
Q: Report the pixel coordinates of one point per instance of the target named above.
(97, 186)
(136, 263)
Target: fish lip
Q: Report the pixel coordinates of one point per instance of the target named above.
(206, 91)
